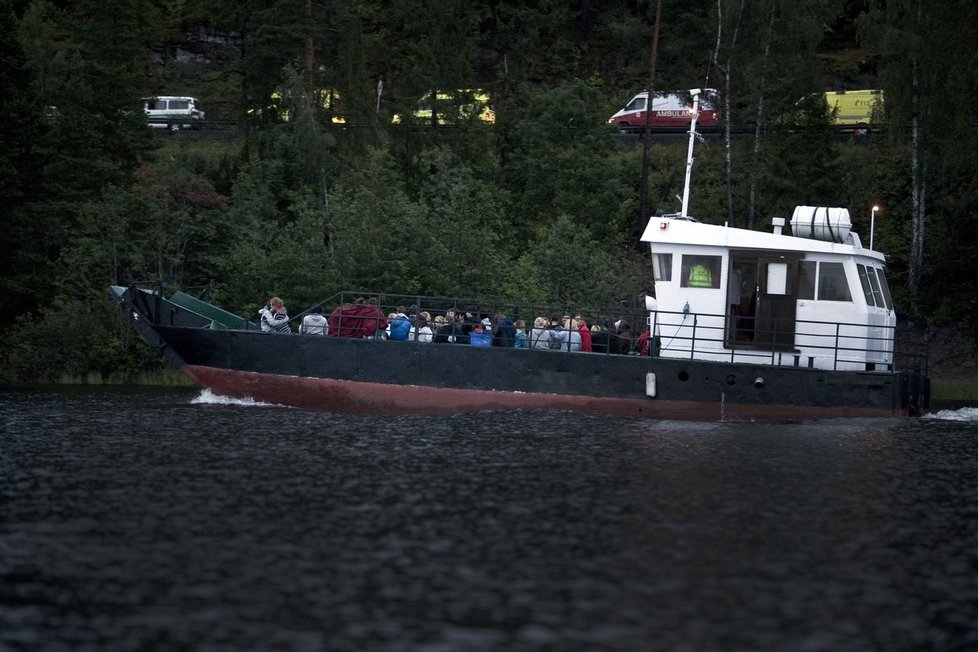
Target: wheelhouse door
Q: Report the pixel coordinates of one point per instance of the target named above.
(768, 319)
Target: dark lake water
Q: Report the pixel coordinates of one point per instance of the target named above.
(162, 519)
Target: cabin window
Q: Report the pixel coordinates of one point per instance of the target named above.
(832, 284)
(875, 284)
(885, 288)
(662, 267)
(777, 279)
(700, 272)
(874, 287)
(806, 280)
(867, 286)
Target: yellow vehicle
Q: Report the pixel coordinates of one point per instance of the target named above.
(855, 108)
(451, 107)
(328, 100)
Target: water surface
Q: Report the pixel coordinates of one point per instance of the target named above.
(165, 519)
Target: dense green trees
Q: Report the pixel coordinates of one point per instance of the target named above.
(540, 206)
(929, 72)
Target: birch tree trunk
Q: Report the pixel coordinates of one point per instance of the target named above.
(759, 120)
(917, 196)
(918, 187)
(727, 145)
(308, 59)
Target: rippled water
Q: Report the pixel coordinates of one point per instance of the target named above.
(163, 519)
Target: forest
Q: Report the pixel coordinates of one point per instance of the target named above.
(276, 196)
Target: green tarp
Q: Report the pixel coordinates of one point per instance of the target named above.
(221, 318)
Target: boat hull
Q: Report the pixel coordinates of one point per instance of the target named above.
(355, 397)
(384, 377)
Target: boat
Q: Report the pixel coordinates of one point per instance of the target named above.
(742, 325)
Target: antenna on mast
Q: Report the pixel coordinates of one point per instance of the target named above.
(695, 92)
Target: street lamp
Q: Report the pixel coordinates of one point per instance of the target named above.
(872, 225)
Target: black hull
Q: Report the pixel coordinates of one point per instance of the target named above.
(376, 376)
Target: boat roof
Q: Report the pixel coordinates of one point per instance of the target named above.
(684, 231)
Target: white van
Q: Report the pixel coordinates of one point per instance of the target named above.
(670, 112)
(173, 112)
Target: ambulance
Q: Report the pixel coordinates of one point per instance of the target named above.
(671, 111)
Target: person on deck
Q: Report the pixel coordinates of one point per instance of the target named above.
(278, 316)
(567, 338)
(521, 341)
(373, 320)
(540, 334)
(644, 340)
(314, 323)
(479, 335)
(421, 329)
(469, 321)
(400, 325)
(265, 318)
(341, 321)
(623, 340)
(584, 331)
(505, 332)
(358, 320)
(450, 332)
(600, 339)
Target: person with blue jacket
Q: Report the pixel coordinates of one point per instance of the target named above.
(521, 341)
(400, 325)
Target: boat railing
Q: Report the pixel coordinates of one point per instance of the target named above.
(625, 319)
(720, 337)
(784, 342)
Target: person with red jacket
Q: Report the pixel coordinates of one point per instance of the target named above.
(585, 332)
(360, 319)
(643, 343)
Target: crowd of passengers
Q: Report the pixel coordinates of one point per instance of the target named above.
(364, 319)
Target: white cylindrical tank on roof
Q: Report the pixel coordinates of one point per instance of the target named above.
(821, 223)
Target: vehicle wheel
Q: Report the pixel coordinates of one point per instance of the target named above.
(624, 128)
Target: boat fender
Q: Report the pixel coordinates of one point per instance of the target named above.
(758, 382)
(650, 385)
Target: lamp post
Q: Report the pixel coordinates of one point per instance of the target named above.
(872, 224)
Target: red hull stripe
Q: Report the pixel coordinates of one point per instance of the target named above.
(356, 397)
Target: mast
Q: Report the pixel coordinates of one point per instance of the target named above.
(695, 92)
